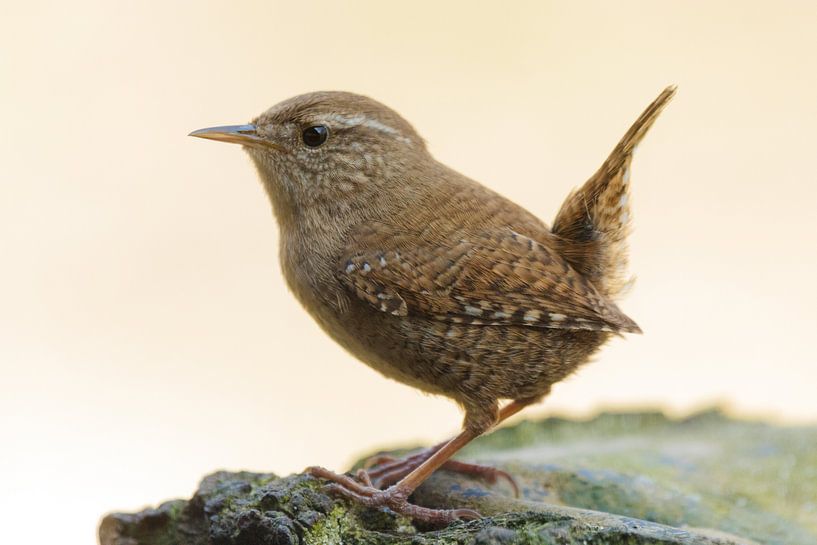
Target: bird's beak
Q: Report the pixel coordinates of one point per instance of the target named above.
(237, 134)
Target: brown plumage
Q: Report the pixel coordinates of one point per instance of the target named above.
(592, 225)
(431, 278)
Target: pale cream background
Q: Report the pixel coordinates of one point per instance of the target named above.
(146, 335)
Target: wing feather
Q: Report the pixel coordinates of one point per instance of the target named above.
(498, 277)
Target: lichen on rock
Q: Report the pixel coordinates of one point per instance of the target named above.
(617, 479)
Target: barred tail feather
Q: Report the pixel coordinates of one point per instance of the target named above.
(592, 225)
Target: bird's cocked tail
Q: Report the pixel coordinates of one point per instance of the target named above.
(592, 225)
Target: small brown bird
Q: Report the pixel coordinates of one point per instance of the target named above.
(433, 279)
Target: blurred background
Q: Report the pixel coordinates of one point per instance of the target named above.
(146, 334)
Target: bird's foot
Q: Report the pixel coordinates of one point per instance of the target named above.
(383, 470)
(393, 497)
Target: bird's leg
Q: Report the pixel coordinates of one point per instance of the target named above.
(424, 464)
(396, 496)
(382, 470)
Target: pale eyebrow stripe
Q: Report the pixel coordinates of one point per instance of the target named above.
(361, 120)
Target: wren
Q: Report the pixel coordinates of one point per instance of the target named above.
(431, 278)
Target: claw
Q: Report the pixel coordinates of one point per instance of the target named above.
(510, 480)
(381, 471)
(489, 474)
(384, 470)
(377, 460)
(363, 476)
(394, 498)
(466, 514)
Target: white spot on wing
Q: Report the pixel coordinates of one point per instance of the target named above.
(532, 316)
(350, 268)
(473, 311)
(556, 317)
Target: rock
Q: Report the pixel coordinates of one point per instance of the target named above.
(616, 479)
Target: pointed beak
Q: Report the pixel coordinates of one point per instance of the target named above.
(245, 135)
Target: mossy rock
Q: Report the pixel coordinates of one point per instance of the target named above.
(616, 479)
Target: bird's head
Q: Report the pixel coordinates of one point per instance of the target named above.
(326, 153)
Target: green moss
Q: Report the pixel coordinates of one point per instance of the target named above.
(620, 479)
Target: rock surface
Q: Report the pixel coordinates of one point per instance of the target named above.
(616, 479)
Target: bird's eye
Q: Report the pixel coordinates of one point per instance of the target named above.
(315, 136)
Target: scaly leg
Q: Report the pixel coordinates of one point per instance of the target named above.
(383, 470)
(396, 496)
